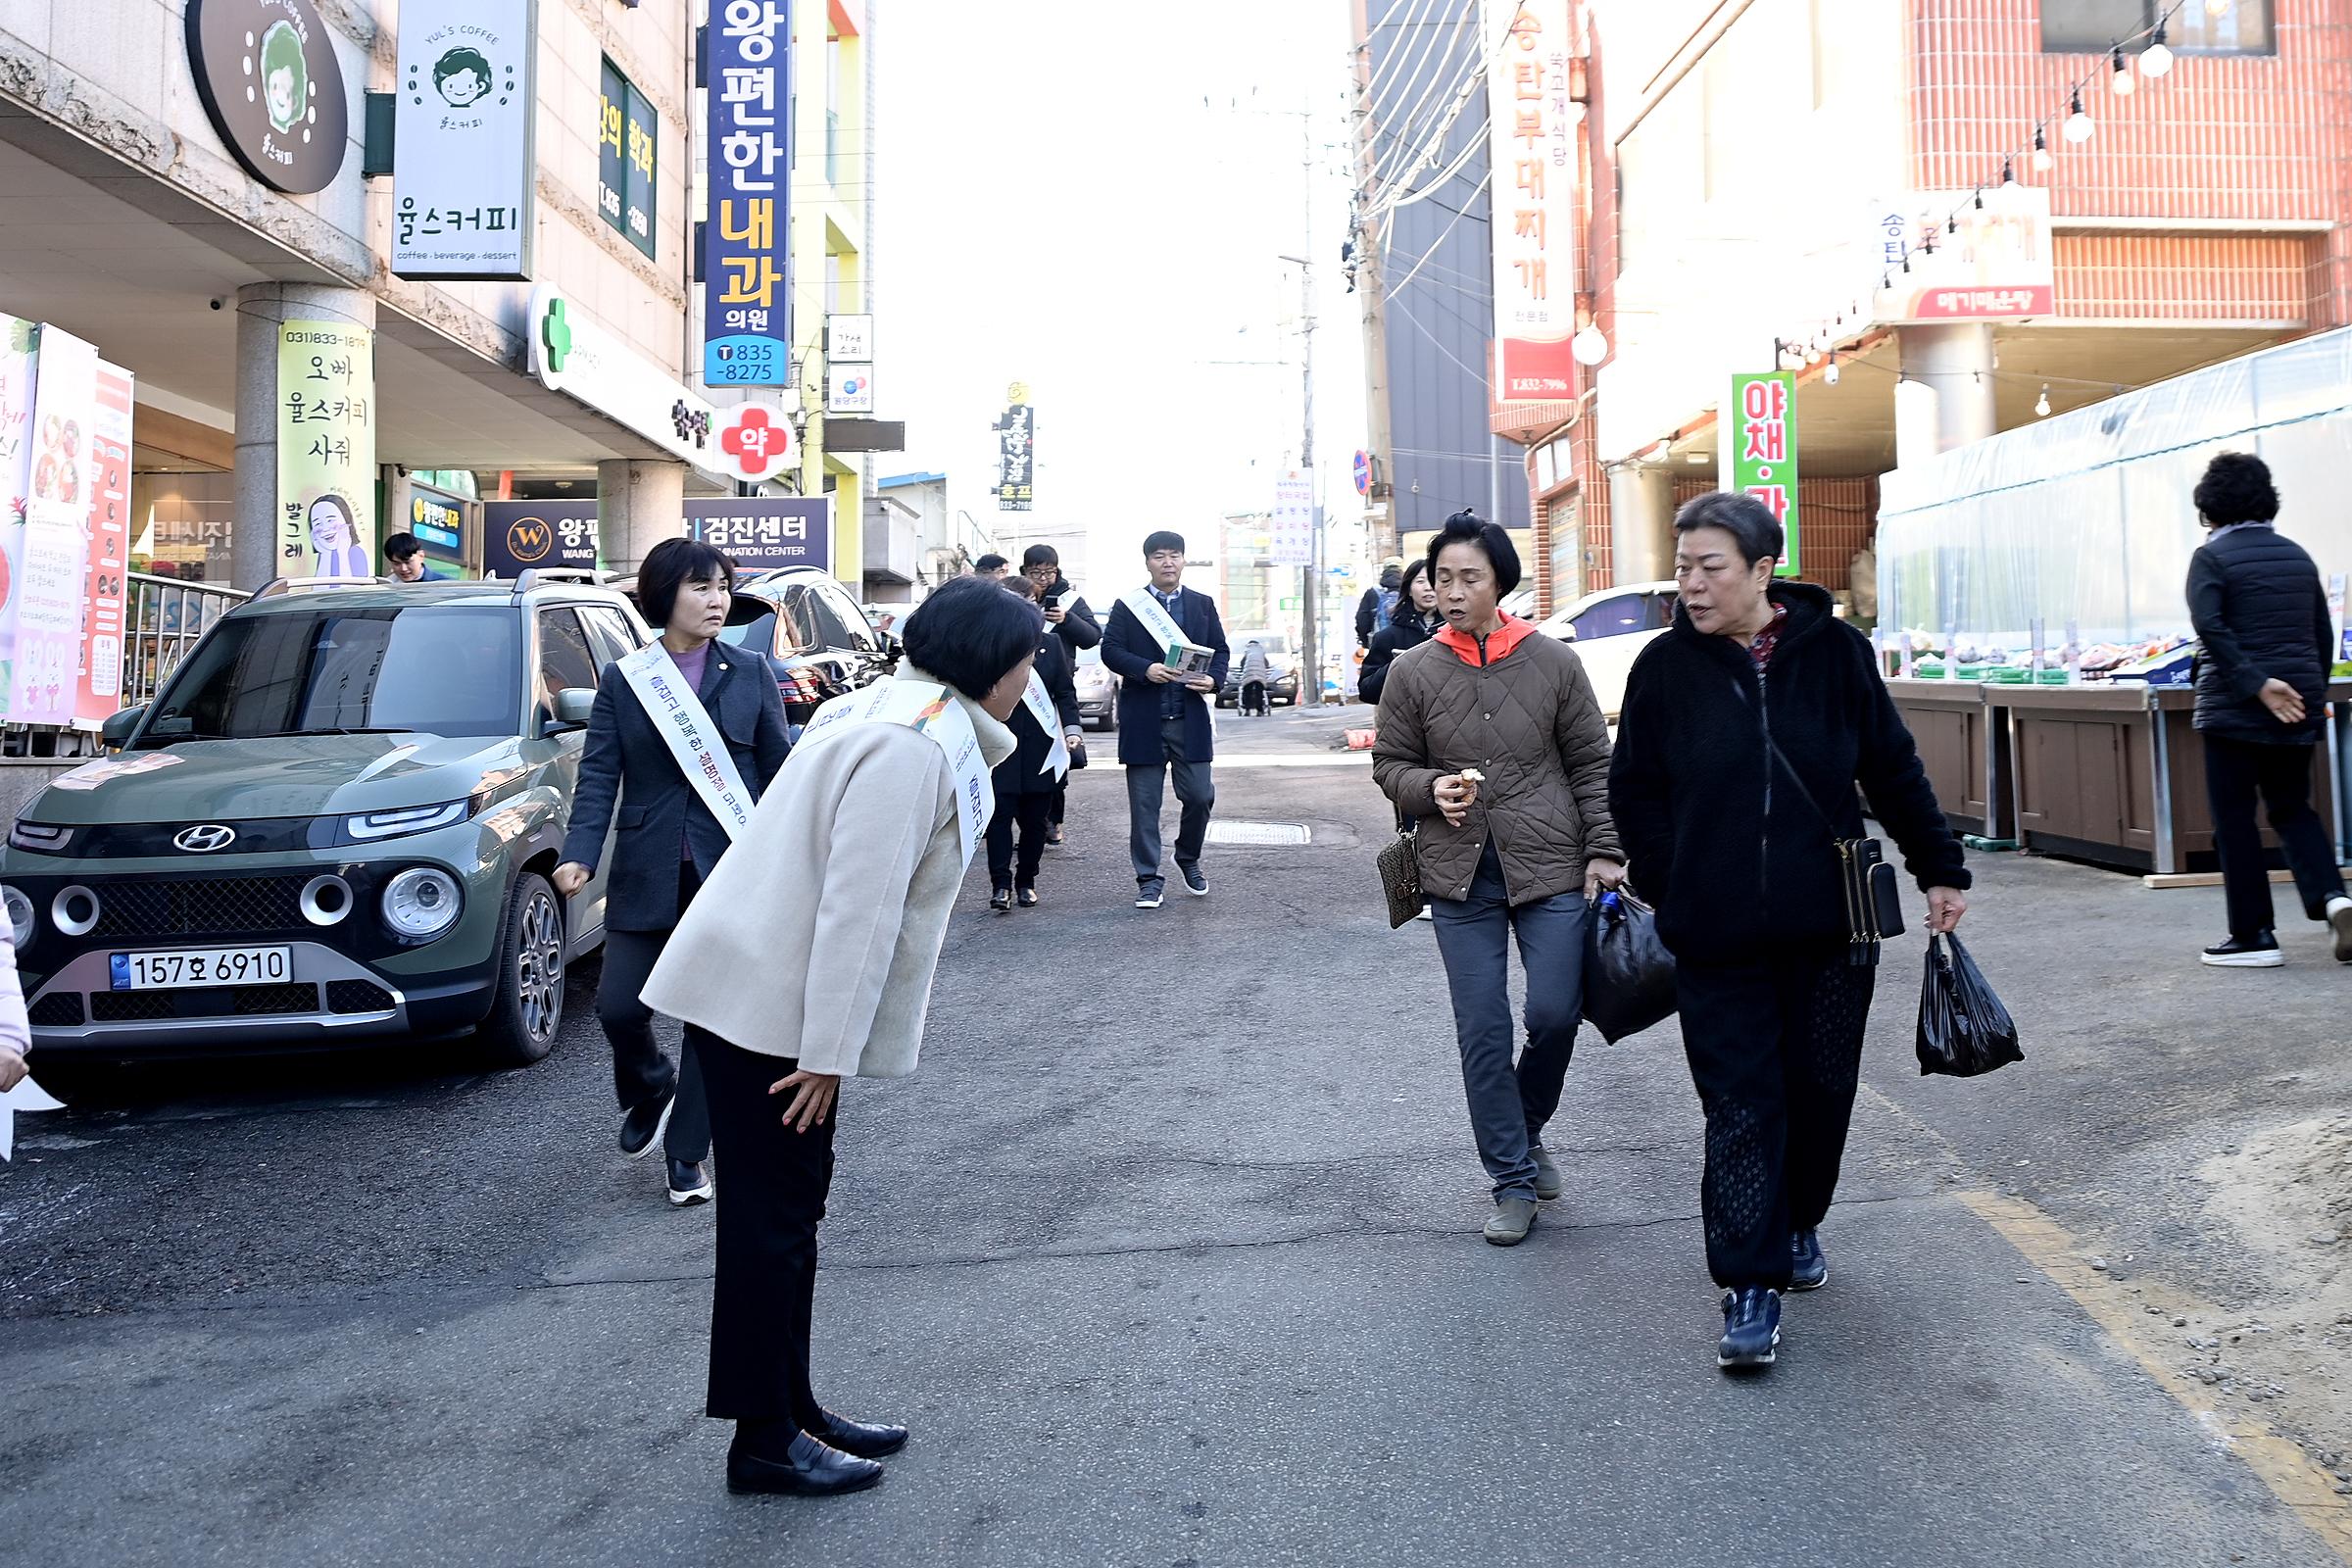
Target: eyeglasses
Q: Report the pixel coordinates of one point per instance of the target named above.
(1042, 573)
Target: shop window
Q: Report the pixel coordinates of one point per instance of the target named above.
(628, 152)
(2090, 27)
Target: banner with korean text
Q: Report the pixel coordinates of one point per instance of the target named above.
(1532, 162)
(520, 535)
(760, 533)
(1758, 439)
(325, 449)
(106, 582)
(44, 678)
(1016, 440)
(747, 301)
(1293, 541)
(462, 123)
(1991, 260)
(20, 361)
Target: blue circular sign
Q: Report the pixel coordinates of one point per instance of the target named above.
(1364, 473)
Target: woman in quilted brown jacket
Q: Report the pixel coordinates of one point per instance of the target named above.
(1490, 734)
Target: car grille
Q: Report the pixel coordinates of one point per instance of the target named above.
(357, 996)
(206, 906)
(226, 1002)
(60, 1010)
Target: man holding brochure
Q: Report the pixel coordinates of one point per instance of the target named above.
(1167, 647)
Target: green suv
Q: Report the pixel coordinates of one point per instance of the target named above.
(338, 819)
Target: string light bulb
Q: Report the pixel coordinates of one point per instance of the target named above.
(2157, 58)
(1830, 375)
(1589, 346)
(2121, 81)
(2041, 152)
(2217, 9)
(2041, 404)
(2078, 124)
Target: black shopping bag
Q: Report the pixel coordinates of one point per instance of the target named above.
(1963, 1028)
(1629, 975)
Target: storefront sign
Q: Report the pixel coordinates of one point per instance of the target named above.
(267, 73)
(1531, 149)
(849, 389)
(763, 532)
(325, 449)
(1758, 440)
(747, 298)
(517, 536)
(1994, 265)
(849, 339)
(465, 176)
(1016, 440)
(628, 142)
(576, 355)
(756, 438)
(100, 688)
(437, 519)
(44, 679)
(1293, 539)
(20, 342)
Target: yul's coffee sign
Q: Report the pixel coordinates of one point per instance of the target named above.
(267, 73)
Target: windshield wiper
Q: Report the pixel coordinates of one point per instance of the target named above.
(325, 729)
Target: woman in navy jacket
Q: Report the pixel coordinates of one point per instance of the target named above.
(668, 840)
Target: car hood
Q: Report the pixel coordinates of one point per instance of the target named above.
(294, 775)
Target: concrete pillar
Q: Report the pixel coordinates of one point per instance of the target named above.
(1640, 522)
(1956, 362)
(261, 306)
(639, 503)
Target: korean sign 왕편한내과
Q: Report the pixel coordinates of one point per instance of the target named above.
(1758, 437)
(325, 449)
(747, 301)
(463, 129)
(628, 136)
(1531, 155)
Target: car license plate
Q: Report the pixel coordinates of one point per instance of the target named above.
(202, 966)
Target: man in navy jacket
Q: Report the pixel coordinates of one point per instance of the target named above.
(1164, 720)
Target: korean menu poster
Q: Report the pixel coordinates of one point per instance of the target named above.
(325, 449)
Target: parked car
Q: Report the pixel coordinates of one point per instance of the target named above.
(1283, 688)
(337, 820)
(1609, 629)
(813, 633)
(1098, 691)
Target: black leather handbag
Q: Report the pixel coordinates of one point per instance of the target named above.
(1874, 898)
(1400, 879)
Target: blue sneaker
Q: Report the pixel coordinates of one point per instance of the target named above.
(1752, 1328)
(1808, 1270)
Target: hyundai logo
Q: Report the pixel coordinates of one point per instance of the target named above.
(205, 838)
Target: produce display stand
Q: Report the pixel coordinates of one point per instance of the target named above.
(1962, 729)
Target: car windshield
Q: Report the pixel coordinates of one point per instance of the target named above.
(436, 669)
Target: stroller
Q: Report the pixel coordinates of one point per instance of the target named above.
(1256, 671)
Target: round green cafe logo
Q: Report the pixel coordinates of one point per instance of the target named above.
(266, 72)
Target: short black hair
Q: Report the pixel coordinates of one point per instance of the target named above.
(1404, 608)
(401, 546)
(672, 565)
(992, 561)
(2236, 488)
(1041, 555)
(1745, 518)
(1163, 539)
(971, 634)
(1467, 527)
(456, 60)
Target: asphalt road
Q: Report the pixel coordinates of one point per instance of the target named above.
(1170, 1256)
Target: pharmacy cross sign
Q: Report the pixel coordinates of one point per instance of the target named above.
(750, 434)
(556, 333)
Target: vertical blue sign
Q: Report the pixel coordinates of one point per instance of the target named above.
(747, 300)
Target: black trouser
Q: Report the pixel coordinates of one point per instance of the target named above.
(2236, 773)
(1062, 803)
(764, 1293)
(1776, 1053)
(1030, 813)
(639, 1069)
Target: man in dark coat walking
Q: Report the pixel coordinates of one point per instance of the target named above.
(1164, 722)
(1068, 617)
(2268, 643)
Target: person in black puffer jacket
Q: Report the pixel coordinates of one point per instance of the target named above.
(1414, 622)
(2262, 619)
(1743, 871)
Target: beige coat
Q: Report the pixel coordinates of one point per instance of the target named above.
(818, 933)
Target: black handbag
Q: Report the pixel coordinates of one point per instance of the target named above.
(1400, 879)
(1874, 898)
(1629, 975)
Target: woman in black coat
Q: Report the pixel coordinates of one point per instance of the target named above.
(668, 840)
(1026, 787)
(1414, 622)
(2267, 644)
(1743, 733)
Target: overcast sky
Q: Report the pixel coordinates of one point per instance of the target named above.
(1055, 204)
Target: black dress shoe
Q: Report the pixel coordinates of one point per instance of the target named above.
(809, 1469)
(868, 1441)
(1000, 901)
(1027, 898)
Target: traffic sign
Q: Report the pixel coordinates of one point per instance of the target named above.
(1363, 472)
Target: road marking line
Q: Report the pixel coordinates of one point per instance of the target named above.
(1261, 759)
(2280, 1461)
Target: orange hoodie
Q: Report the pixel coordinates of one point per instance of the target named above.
(1510, 634)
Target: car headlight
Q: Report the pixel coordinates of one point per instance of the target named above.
(422, 903)
(40, 838)
(371, 825)
(19, 914)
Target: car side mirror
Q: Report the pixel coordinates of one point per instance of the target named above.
(573, 706)
(1568, 634)
(120, 726)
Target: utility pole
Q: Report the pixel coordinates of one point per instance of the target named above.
(1310, 594)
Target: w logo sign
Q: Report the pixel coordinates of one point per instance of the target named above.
(530, 539)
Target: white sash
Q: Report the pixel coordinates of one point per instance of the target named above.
(928, 709)
(1146, 607)
(701, 750)
(1041, 709)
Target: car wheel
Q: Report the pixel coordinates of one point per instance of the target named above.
(529, 1010)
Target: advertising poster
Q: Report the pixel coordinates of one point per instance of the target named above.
(763, 532)
(44, 684)
(1016, 437)
(325, 449)
(1293, 541)
(463, 124)
(1759, 450)
(104, 584)
(517, 536)
(747, 317)
(18, 361)
(1992, 263)
(628, 140)
(1531, 149)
